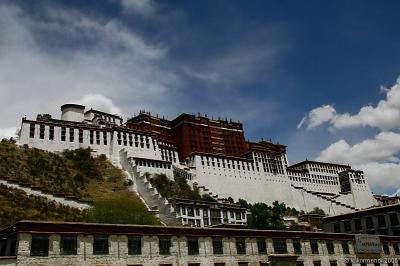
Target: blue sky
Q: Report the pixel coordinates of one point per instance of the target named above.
(269, 64)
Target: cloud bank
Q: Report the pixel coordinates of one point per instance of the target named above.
(385, 115)
(377, 156)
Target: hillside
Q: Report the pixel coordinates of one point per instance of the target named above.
(71, 173)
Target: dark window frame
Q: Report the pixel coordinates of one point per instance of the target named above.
(297, 246)
(330, 246)
(314, 246)
(65, 249)
(135, 245)
(164, 245)
(39, 246)
(101, 245)
(280, 246)
(193, 246)
(241, 246)
(218, 246)
(261, 246)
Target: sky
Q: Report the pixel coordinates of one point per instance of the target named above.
(318, 76)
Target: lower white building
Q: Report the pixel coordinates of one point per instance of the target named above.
(61, 243)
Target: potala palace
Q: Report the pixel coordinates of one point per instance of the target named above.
(211, 154)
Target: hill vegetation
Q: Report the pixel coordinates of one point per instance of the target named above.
(73, 173)
(177, 188)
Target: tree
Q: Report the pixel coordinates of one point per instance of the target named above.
(317, 210)
(243, 203)
(260, 216)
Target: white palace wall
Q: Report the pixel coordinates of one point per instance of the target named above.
(259, 178)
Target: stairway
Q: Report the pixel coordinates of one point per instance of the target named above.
(155, 201)
(330, 199)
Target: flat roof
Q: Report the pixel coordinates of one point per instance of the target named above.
(321, 163)
(72, 105)
(370, 211)
(220, 156)
(103, 113)
(49, 227)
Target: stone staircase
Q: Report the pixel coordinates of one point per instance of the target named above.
(205, 191)
(325, 197)
(156, 202)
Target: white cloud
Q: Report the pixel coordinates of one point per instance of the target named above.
(382, 177)
(376, 157)
(90, 55)
(318, 116)
(384, 146)
(99, 102)
(385, 115)
(143, 7)
(7, 133)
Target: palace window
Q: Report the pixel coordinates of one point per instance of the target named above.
(130, 140)
(68, 245)
(345, 247)
(385, 247)
(41, 131)
(314, 246)
(217, 246)
(71, 135)
(241, 246)
(63, 133)
(98, 137)
(193, 246)
(317, 263)
(357, 224)
(369, 222)
(280, 246)
(134, 245)
(32, 130)
(51, 133)
(297, 246)
(164, 245)
(100, 245)
(333, 263)
(105, 138)
(396, 248)
(330, 247)
(261, 246)
(394, 220)
(347, 226)
(119, 138)
(125, 140)
(39, 245)
(80, 135)
(91, 135)
(381, 221)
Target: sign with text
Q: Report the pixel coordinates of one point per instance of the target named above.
(368, 244)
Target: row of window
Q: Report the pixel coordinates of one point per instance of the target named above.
(94, 136)
(190, 211)
(272, 168)
(154, 164)
(317, 181)
(68, 246)
(369, 222)
(168, 155)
